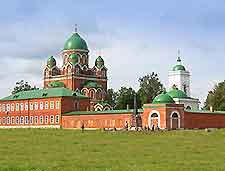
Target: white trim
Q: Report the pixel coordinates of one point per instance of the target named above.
(149, 118)
(171, 118)
(41, 126)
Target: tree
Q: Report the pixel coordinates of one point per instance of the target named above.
(22, 86)
(216, 97)
(150, 86)
(125, 96)
(111, 97)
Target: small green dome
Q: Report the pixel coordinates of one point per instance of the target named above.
(51, 62)
(176, 93)
(163, 98)
(75, 42)
(73, 58)
(179, 68)
(99, 62)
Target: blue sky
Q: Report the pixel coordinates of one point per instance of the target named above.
(134, 37)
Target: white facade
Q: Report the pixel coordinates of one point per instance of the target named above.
(181, 79)
(189, 103)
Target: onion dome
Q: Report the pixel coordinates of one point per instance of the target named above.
(163, 98)
(179, 66)
(75, 42)
(176, 93)
(73, 58)
(56, 84)
(51, 62)
(99, 62)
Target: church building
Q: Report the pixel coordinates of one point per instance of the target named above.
(74, 95)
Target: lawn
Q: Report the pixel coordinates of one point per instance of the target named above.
(58, 149)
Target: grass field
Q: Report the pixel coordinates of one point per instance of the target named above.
(51, 149)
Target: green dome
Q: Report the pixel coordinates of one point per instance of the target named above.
(179, 68)
(73, 58)
(51, 62)
(99, 62)
(163, 99)
(176, 93)
(75, 42)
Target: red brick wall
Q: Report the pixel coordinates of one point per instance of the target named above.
(203, 120)
(31, 113)
(68, 104)
(96, 120)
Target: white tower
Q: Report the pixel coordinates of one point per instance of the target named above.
(180, 77)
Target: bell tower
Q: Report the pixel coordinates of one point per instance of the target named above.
(180, 77)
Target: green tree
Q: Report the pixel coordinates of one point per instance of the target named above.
(22, 86)
(111, 97)
(150, 86)
(125, 96)
(216, 97)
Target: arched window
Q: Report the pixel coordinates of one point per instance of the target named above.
(92, 94)
(188, 107)
(99, 94)
(69, 70)
(175, 115)
(54, 72)
(154, 115)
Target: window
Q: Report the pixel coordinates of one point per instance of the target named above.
(21, 106)
(46, 105)
(0, 120)
(8, 107)
(3, 107)
(17, 119)
(0, 108)
(26, 120)
(21, 119)
(41, 106)
(8, 120)
(41, 119)
(52, 119)
(3, 120)
(12, 107)
(154, 115)
(31, 106)
(12, 120)
(57, 105)
(17, 106)
(57, 119)
(36, 106)
(26, 106)
(51, 104)
(31, 119)
(36, 120)
(46, 119)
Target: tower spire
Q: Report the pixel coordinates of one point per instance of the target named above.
(75, 28)
(178, 56)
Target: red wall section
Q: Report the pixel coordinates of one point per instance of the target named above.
(96, 120)
(204, 120)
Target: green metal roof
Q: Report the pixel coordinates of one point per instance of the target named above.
(51, 62)
(43, 93)
(163, 99)
(99, 62)
(176, 93)
(92, 84)
(75, 42)
(73, 58)
(102, 112)
(179, 68)
(56, 84)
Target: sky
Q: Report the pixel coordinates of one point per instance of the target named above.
(135, 38)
